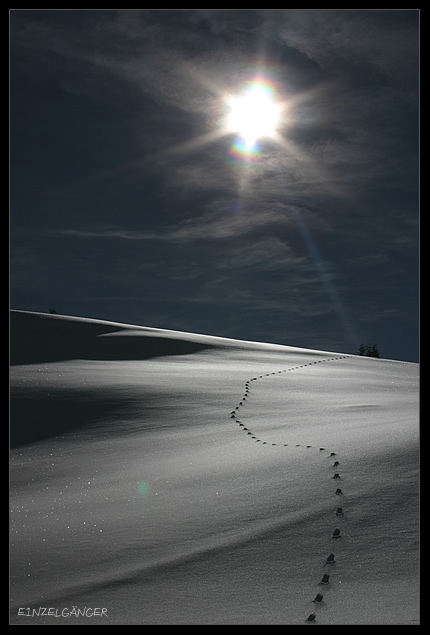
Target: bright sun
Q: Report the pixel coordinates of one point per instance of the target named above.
(253, 114)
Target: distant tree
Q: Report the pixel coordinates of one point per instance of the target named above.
(372, 351)
(368, 350)
(361, 350)
(52, 310)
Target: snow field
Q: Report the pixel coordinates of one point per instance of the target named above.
(154, 502)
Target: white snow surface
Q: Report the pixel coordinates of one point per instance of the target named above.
(165, 478)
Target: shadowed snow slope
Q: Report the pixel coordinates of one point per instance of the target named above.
(52, 338)
(172, 478)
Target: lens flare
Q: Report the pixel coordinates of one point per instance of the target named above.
(142, 488)
(242, 150)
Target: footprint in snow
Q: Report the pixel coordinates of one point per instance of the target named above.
(330, 559)
(318, 599)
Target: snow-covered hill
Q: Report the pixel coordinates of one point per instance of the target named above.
(172, 478)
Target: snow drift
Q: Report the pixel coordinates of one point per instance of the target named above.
(160, 477)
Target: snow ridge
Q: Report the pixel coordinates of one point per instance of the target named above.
(330, 562)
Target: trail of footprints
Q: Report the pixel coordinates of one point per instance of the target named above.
(318, 600)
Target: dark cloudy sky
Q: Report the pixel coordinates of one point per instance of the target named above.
(127, 202)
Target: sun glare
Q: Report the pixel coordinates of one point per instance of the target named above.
(253, 114)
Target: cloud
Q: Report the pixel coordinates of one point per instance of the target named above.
(231, 220)
(104, 232)
(350, 39)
